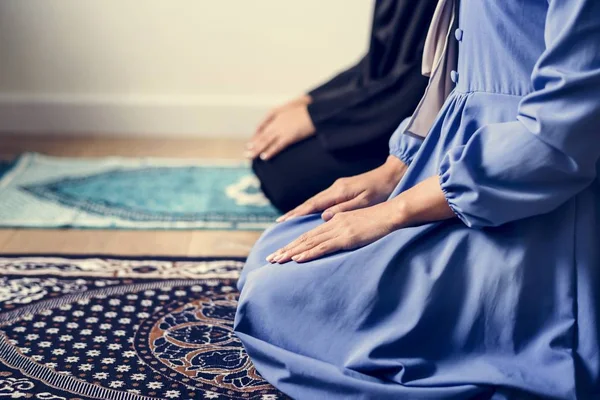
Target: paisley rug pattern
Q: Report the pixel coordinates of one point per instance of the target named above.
(122, 328)
(121, 193)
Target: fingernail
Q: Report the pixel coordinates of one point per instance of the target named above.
(263, 156)
(327, 215)
(280, 219)
(248, 154)
(280, 257)
(298, 258)
(270, 257)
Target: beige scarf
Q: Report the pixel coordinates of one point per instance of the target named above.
(439, 58)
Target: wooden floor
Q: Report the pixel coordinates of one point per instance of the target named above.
(123, 242)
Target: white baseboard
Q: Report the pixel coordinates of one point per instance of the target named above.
(202, 116)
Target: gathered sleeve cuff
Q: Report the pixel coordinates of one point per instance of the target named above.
(404, 146)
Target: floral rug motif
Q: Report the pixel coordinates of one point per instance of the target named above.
(122, 329)
(131, 193)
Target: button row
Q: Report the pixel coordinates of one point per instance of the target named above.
(458, 34)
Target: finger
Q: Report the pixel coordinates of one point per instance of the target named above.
(317, 203)
(260, 144)
(303, 238)
(327, 247)
(354, 204)
(298, 210)
(272, 150)
(302, 247)
(258, 134)
(266, 120)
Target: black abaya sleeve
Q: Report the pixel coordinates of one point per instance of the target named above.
(345, 80)
(368, 101)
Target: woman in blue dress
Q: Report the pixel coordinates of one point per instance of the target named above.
(479, 276)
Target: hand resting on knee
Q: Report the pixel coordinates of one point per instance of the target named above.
(281, 128)
(352, 193)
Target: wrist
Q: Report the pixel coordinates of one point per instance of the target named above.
(423, 203)
(399, 212)
(310, 128)
(395, 166)
(393, 170)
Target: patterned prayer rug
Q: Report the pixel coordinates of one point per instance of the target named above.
(122, 329)
(121, 193)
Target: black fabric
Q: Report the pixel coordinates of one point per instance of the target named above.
(370, 99)
(306, 168)
(356, 112)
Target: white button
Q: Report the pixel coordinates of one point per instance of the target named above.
(454, 76)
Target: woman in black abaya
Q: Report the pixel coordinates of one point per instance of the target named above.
(342, 127)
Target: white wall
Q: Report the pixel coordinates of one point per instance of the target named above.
(182, 67)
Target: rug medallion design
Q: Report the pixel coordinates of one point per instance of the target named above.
(122, 329)
(121, 193)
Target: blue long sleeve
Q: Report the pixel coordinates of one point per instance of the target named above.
(530, 166)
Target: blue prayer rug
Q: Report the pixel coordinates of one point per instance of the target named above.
(99, 327)
(123, 193)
